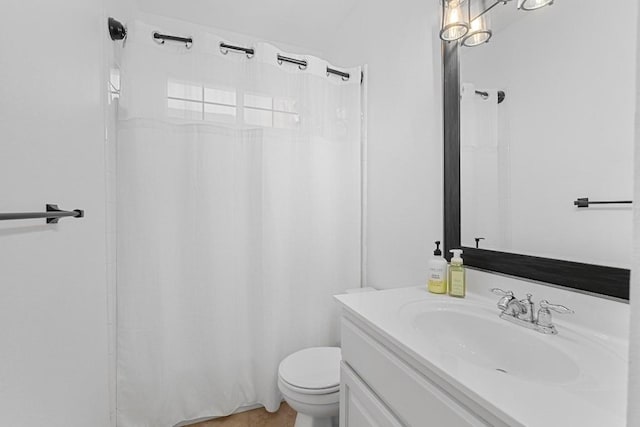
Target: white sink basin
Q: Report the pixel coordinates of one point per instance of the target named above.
(462, 332)
(465, 333)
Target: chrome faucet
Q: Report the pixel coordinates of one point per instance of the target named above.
(509, 304)
(520, 312)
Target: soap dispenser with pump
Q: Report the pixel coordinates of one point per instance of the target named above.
(437, 282)
(457, 280)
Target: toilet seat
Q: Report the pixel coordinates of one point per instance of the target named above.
(303, 390)
(313, 370)
(303, 395)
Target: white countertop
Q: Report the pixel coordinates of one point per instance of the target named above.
(595, 397)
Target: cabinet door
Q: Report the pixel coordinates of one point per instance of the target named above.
(359, 407)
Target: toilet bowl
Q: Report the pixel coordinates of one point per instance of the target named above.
(309, 381)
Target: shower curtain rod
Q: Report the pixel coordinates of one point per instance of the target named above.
(118, 31)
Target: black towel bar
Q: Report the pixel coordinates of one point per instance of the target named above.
(53, 214)
(584, 202)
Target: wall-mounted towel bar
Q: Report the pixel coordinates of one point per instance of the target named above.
(584, 202)
(53, 214)
(485, 95)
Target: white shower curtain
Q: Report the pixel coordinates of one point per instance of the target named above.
(238, 219)
(484, 169)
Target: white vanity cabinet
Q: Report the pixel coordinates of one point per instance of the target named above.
(359, 406)
(382, 387)
(416, 359)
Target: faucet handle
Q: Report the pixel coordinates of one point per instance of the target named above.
(544, 320)
(556, 307)
(502, 293)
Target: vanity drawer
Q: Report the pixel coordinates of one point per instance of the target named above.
(415, 399)
(359, 406)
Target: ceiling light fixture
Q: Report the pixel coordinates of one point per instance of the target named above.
(533, 4)
(455, 20)
(478, 34)
(458, 24)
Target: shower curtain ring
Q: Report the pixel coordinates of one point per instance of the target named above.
(156, 39)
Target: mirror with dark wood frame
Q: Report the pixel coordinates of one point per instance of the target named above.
(596, 279)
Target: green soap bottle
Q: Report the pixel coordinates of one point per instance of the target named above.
(457, 281)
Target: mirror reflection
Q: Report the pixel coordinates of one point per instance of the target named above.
(547, 119)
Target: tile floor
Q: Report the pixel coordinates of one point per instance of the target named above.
(285, 417)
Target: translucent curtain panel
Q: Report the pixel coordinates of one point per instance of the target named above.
(238, 219)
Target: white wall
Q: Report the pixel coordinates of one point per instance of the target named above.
(399, 42)
(568, 122)
(634, 340)
(53, 313)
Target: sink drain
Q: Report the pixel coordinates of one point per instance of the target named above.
(501, 370)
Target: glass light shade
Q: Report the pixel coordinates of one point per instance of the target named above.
(534, 4)
(454, 24)
(478, 33)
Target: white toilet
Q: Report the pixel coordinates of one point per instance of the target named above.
(309, 380)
